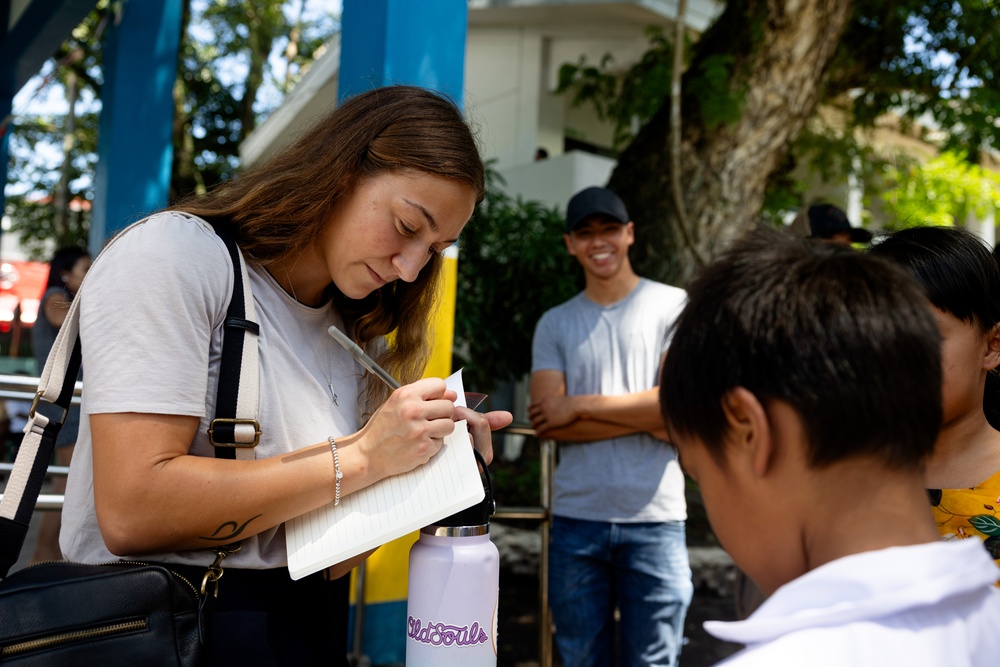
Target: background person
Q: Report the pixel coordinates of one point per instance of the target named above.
(961, 280)
(618, 504)
(803, 391)
(829, 224)
(67, 269)
(344, 227)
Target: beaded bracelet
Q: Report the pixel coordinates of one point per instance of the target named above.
(336, 467)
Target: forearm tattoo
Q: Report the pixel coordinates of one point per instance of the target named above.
(228, 531)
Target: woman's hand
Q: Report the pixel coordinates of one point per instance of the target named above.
(481, 426)
(409, 428)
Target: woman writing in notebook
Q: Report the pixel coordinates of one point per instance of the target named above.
(343, 228)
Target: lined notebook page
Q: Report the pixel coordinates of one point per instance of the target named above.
(394, 507)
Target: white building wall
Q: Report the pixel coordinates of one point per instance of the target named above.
(513, 54)
(502, 83)
(512, 73)
(555, 180)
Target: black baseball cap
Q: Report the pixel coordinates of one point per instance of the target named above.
(825, 220)
(594, 201)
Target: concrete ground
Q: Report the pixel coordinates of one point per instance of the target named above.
(518, 625)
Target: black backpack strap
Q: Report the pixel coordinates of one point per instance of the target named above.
(235, 430)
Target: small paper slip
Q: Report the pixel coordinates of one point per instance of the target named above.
(391, 508)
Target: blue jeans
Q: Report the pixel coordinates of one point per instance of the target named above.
(640, 568)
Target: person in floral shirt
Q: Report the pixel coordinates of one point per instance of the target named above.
(961, 280)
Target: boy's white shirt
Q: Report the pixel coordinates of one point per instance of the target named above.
(930, 604)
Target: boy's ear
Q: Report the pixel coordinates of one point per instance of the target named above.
(749, 429)
(992, 359)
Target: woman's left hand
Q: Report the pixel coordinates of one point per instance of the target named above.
(481, 426)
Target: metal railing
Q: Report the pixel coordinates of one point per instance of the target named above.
(22, 387)
(542, 514)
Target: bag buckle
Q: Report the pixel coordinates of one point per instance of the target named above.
(236, 423)
(38, 397)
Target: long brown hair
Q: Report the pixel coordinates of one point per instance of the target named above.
(281, 205)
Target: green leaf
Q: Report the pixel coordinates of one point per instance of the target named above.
(986, 524)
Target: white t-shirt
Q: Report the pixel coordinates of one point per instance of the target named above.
(930, 605)
(151, 329)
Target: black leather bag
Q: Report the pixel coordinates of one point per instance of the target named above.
(121, 613)
(64, 613)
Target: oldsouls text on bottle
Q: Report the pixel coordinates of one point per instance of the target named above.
(439, 634)
(454, 587)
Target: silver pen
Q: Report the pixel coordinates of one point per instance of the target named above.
(362, 358)
(472, 399)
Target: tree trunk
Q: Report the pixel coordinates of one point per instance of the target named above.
(292, 50)
(778, 59)
(184, 176)
(259, 44)
(63, 196)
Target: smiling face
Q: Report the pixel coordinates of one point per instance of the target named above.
(601, 245)
(388, 227)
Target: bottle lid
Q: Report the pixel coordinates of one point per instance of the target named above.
(478, 514)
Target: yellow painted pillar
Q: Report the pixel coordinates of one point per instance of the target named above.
(385, 579)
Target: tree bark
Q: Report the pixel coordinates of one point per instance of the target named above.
(184, 176)
(63, 196)
(777, 52)
(259, 45)
(292, 50)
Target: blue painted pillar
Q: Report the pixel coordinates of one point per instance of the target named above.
(421, 43)
(386, 42)
(135, 145)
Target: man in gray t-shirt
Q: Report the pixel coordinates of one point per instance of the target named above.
(618, 497)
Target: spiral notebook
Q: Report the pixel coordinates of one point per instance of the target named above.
(389, 509)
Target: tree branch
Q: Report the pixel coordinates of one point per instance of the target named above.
(675, 133)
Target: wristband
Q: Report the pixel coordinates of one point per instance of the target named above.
(336, 467)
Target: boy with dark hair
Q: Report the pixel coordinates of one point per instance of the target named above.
(804, 385)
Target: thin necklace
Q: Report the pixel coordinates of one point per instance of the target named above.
(326, 369)
(291, 287)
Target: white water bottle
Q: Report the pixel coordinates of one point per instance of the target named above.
(454, 590)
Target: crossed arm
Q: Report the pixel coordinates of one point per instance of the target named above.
(589, 417)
